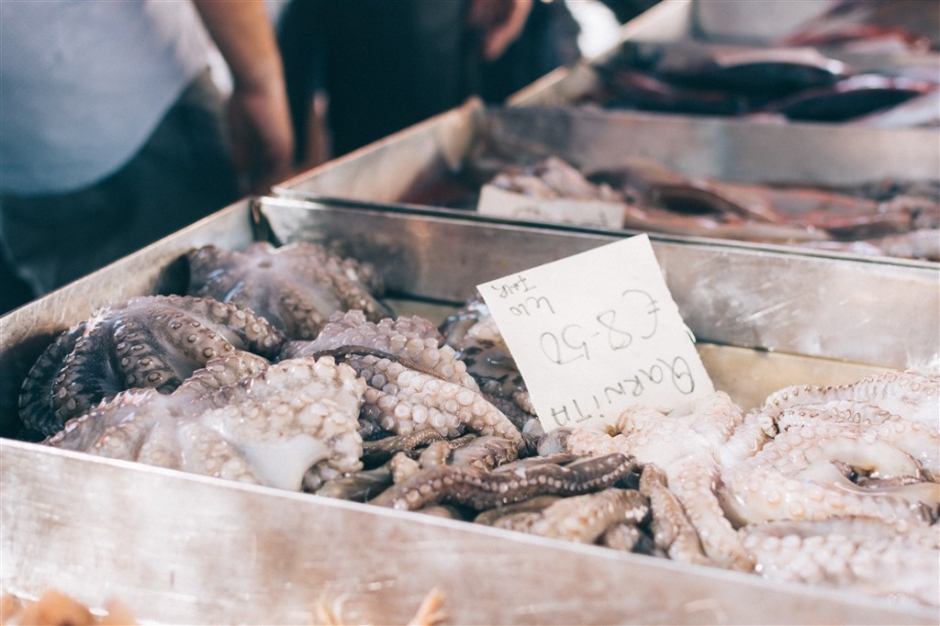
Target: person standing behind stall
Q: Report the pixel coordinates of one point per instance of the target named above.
(385, 65)
(113, 133)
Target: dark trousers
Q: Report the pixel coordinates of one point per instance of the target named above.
(182, 174)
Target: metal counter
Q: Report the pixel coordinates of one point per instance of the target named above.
(178, 548)
(182, 549)
(410, 168)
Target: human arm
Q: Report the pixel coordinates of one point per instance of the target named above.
(262, 137)
(501, 21)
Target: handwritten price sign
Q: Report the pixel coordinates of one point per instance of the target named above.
(597, 332)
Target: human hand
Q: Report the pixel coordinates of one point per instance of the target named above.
(262, 137)
(501, 21)
(258, 114)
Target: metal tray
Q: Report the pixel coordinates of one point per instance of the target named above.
(179, 548)
(412, 167)
(712, 22)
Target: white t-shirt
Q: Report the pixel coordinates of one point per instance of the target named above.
(83, 84)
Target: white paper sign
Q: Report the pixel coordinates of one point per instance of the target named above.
(498, 202)
(597, 332)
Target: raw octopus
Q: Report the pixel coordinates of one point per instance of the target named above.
(151, 341)
(296, 287)
(763, 490)
(239, 418)
(876, 219)
(414, 382)
(823, 485)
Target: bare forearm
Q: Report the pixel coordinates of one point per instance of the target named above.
(244, 35)
(258, 115)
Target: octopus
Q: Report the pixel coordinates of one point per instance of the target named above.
(689, 446)
(582, 518)
(296, 287)
(509, 483)
(414, 383)
(826, 485)
(239, 418)
(146, 342)
(401, 458)
(821, 484)
(869, 449)
(473, 334)
(858, 553)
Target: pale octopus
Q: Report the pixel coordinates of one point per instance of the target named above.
(814, 469)
(240, 418)
(150, 341)
(414, 382)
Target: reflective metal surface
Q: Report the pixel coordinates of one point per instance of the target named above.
(183, 549)
(178, 548)
(741, 295)
(416, 162)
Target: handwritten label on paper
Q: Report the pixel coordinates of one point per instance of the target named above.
(597, 332)
(498, 202)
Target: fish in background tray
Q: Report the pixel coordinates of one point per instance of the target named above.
(785, 83)
(867, 25)
(890, 218)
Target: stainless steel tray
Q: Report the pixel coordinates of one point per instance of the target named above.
(183, 549)
(711, 22)
(179, 548)
(409, 168)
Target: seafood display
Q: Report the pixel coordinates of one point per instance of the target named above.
(767, 83)
(908, 25)
(886, 219)
(295, 287)
(238, 418)
(398, 412)
(151, 342)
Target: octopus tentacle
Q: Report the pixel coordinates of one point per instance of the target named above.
(586, 517)
(849, 552)
(402, 400)
(907, 394)
(686, 445)
(473, 333)
(151, 341)
(805, 483)
(414, 382)
(381, 450)
(502, 516)
(627, 537)
(412, 340)
(272, 427)
(297, 286)
(485, 452)
(869, 422)
(672, 530)
(483, 490)
(357, 486)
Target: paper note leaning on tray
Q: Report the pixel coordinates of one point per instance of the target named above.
(496, 202)
(597, 332)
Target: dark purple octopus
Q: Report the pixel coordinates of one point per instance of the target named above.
(149, 341)
(296, 286)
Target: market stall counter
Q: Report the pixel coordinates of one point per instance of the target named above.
(178, 547)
